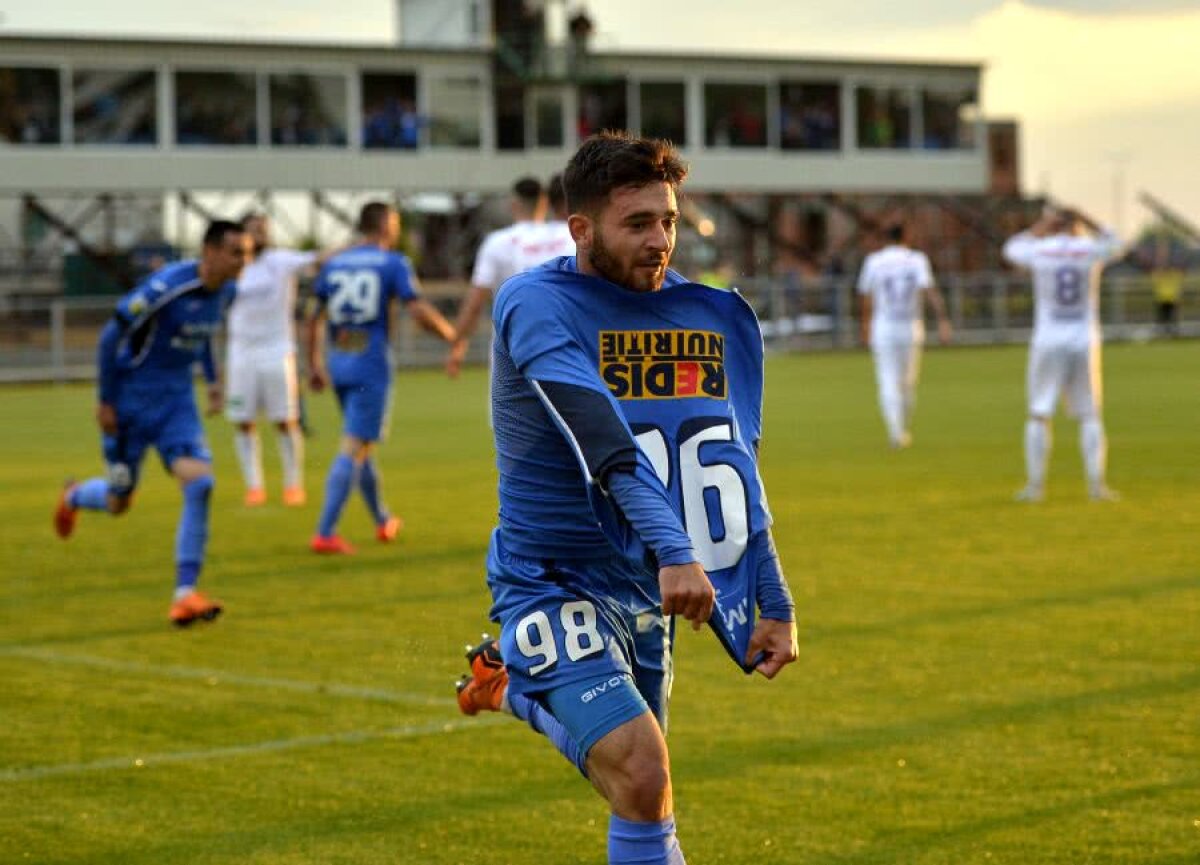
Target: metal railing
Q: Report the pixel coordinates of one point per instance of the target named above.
(55, 339)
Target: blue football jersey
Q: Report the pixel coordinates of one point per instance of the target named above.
(167, 323)
(357, 287)
(683, 366)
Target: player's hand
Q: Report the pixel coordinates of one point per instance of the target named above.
(454, 358)
(776, 641)
(687, 592)
(945, 332)
(106, 417)
(317, 379)
(216, 399)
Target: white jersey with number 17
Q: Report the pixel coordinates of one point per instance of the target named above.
(894, 277)
(1066, 282)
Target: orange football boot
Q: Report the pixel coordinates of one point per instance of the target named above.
(255, 497)
(193, 606)
(386, 533)
(334, 545)
(64, 514)
(294, 497)
(483, 689)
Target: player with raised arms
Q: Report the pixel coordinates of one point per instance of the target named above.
(146, 355)
(627, 409)
(358, 291)
(895, 284)
(1066, 253)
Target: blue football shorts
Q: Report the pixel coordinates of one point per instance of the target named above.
(168, 422)
(366, 409)
(586, 638)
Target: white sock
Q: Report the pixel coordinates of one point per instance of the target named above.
(1037, 452)
(245, 444)
(291, 456)
(1094, 447)
(891, 404)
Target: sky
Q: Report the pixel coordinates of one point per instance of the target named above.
(1107, 91)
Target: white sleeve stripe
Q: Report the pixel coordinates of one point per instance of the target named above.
(566, 430)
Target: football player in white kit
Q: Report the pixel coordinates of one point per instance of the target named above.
(508, 251)
(1066, 253)
(261, 362)
(893, 287)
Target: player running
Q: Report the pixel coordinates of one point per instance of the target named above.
(627, 415)
(355, 292)
(895, 284)
(507, 251)
(260, 368)
(1066, 253)
(146, 354)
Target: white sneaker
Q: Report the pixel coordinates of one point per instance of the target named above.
(899, 444)
(1030, 494)
(1102, 493)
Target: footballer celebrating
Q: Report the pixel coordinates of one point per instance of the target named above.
(147, 350)
(627, 411)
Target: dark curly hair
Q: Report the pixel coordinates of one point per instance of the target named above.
(610, 160)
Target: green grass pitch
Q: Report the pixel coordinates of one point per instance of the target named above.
(979, 681)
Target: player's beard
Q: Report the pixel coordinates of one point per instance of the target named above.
(627, 275)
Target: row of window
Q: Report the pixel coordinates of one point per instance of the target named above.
(121, 107)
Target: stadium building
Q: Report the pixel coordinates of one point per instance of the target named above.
(116, 150)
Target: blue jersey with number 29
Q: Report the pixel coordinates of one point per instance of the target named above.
(357, 287)
(683, 366)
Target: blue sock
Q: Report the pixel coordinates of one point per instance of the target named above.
(337, 490)
(192, 535)
(91, 495)
(549, 726)
(368, 485)
(632, 843)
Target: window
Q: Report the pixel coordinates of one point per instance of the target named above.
(216, 108)
(884, 116)
(390, 119)
(115, 106)
(601, 106)
(664, 111)
(548, 118)
(950, 118)
(810, 116)
(308, 110)
(735, 115)
(29, 106)
(455, 106)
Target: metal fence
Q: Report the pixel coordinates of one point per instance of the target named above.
(55, 339)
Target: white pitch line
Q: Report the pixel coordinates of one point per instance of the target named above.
(150, 761)
(218, 677)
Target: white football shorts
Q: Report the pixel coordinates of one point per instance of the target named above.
(258, 382)
(1073, 371)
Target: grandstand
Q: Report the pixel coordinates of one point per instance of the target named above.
(119, 149)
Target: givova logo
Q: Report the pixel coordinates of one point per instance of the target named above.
(599, 690)
(663, 364)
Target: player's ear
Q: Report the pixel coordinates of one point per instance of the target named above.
(580, 226)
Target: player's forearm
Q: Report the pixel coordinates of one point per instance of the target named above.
(208, 364)
(472, 307)
(649, 512)
(934, 297)
(432, 321)
(108, 380)
(774, 598)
